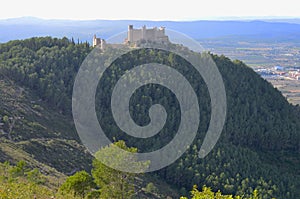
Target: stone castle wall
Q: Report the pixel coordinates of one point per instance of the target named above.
(152, 34)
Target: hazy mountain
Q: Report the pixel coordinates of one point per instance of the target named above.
(25, 27)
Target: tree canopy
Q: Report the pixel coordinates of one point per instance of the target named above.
(259, 146)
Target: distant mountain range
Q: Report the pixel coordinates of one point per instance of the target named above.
(83, 30)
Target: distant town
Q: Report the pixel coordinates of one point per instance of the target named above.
(279, 72)
(277, 62)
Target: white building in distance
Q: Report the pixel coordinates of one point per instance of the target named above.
(152, 34)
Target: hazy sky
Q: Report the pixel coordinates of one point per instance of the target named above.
(151, 9)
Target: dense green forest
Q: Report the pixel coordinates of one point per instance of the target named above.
(259, 146)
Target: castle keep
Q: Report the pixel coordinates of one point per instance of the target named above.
(152, 34)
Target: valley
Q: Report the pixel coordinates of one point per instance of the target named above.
(277, 61)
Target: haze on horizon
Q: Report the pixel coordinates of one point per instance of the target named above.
(151, 10)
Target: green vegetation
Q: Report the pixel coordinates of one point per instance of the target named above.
(79, 184)
(42, 137)
(21, 182)
(113, 183)
(206, 193)
(45, 65)
(258, 150)
(106, 182)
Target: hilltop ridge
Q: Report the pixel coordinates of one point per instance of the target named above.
(259, 147)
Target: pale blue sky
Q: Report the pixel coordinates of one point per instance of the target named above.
(150, 10)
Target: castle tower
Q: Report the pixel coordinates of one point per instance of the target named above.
(163, 29)
(144, 32)
(95, 41)
(155, 33)
(103, 44)
(130, 33)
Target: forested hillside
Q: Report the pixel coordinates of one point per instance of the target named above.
(258, 149)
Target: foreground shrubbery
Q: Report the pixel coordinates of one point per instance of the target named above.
(207, 193)
(21, 182)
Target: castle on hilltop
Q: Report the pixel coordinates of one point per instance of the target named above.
(135, 35)
(151, 34)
